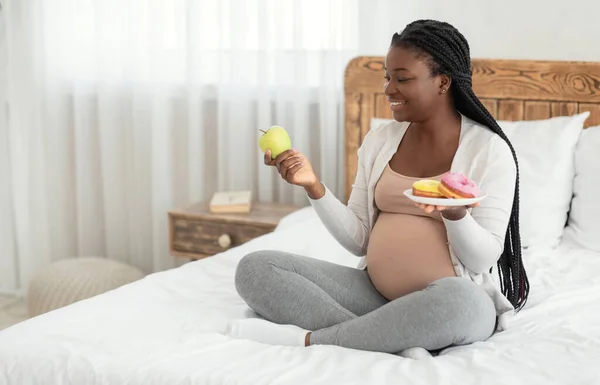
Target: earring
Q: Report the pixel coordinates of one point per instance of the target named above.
(443, 90)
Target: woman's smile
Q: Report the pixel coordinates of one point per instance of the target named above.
(396, 105)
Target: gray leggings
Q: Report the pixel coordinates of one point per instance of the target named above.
(340, 305)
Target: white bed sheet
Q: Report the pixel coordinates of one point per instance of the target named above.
(165, 329)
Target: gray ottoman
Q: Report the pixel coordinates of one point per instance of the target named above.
(71, 280)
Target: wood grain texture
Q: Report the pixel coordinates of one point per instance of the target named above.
(382, 107)
(510, 110)
(491, 105)
(536, 80)
(594, 109)
(364, 74)
(563, 108)
(537, 110)
(352, 132)
(194, 236)
(498, 79)
(194, 231)
(261, 214)
(367, 112)
(510, 89)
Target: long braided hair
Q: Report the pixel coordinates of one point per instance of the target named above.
(446, 51)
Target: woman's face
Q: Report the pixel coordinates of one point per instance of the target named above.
(414, 94)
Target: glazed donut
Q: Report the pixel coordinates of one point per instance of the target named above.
(427, 188)
(458, 186)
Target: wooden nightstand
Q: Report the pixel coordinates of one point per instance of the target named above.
(197, 233)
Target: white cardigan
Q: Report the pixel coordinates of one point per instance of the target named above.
(475, 241)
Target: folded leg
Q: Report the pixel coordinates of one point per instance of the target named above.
(313, 294)
(450, 311)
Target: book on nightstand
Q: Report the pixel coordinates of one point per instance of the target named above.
(229, 202)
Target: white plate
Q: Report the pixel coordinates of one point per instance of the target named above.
(441, 201)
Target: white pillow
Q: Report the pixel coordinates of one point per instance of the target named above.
(583, 228)
(546, 153)
(546, 150)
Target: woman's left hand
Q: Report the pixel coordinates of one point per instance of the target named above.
(448, 212)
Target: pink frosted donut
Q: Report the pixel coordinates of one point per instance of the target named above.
(458, 186)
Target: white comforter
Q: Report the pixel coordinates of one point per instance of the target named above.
(165, 329)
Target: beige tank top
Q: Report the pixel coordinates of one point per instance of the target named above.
(408, 248)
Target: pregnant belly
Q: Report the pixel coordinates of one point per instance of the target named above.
(406, 253)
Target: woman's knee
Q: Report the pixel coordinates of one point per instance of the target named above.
(472, 313)
(457, 287)
(252, 270)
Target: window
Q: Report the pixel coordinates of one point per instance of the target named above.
(197, 41)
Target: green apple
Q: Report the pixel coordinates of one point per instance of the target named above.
(275, 139)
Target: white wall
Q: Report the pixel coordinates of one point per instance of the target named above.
(511, 29)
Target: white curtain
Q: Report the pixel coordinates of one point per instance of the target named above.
(113, 112)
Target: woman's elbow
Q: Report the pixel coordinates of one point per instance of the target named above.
(481, 267)
(355, 248)
(484, 261)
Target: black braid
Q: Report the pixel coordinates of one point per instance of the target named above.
(446, 51)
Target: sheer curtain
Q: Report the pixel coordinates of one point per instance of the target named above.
(113, 112)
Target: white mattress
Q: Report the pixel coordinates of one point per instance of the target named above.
(165, 329)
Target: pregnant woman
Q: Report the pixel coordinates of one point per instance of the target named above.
(425, 275)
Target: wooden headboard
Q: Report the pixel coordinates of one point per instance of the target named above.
(510, 89)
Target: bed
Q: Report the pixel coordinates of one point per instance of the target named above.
(167, 328)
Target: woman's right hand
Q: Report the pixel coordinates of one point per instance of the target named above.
(293, 167)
